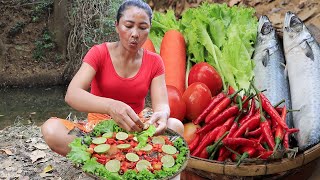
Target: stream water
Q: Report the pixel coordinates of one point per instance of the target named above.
(34, 105)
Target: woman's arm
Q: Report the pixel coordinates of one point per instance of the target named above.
(160, 105)
(80, 99)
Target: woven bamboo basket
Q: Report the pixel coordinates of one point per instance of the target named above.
(302, 162)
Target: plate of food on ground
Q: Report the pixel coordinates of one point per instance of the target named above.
(109, 152)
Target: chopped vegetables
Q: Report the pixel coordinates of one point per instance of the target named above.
(118, 155)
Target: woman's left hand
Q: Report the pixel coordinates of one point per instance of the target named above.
(159, 119)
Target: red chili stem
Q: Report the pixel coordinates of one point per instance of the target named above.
(250, 113)
(212, 104)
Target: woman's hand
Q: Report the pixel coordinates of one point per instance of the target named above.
(159, 119)
(125, 116)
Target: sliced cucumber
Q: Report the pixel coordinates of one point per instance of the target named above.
(167, 161)
(101, 148)
(143, 164)
(122, 135)
(147, 148)
(123, 146)
(132, 157)
(113, 165)
(99, 140)
(158, 140)
(108, 135)
(169, 149)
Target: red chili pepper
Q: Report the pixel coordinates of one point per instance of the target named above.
(250, 113)
(225, 127)
(266, 131)
(251, 124)
(265, 154)
(286, 137)
(204, 154)
(222, 105)
(279, 130)
(208, 139)
(241, 142)
(212, 149)
(267, 106)
(247, 152)
(222, 156)
(229, 112)
(212, 104)
(194, 143)
(231, 90)
(293, 130)
(256, 132)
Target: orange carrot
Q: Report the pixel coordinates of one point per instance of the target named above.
(148, 45)
(173, 53)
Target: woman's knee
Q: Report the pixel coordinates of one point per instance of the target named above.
(176, 125)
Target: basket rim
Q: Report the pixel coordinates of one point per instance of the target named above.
(250, 169)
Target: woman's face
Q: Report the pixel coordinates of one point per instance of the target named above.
(133, 28)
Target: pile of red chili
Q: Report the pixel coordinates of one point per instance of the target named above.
(236, 128)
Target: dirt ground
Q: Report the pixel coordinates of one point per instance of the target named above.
(23, 153)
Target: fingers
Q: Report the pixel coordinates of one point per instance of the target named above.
(138, 124)
(162, 125)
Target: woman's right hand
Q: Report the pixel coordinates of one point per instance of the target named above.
(125, 116)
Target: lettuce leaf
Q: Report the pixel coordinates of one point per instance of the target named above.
(144, 135)
(78, 154)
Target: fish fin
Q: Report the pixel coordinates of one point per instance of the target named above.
(265, 59)
(308, 51)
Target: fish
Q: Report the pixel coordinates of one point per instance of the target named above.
(269, 66)
(302, 55)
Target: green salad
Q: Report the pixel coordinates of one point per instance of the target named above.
(109, 152)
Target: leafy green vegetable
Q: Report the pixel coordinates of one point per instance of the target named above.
(220, 35)
(144, 135)
(161, 23)
(78, 153)
(106, 126)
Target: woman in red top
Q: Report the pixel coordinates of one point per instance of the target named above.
(120, 74)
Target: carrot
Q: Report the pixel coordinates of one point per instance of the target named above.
(173, 53)
(148, 45)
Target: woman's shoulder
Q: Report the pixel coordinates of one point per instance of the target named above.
(151, 55)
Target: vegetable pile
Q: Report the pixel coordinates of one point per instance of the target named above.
(109, 152)
(215, 33)
(237, 128)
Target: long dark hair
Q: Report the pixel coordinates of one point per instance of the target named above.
(135, 3)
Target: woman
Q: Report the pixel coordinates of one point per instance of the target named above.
(121, 74)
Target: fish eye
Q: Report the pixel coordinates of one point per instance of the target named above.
(296, 24)
(266, 28)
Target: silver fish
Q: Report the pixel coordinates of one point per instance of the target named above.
(302, 54)
(269, 70)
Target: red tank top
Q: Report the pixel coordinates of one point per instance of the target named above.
(107, 83)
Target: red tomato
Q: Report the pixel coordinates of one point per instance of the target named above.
(197, 97)
(205, 73)
(177, 105)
